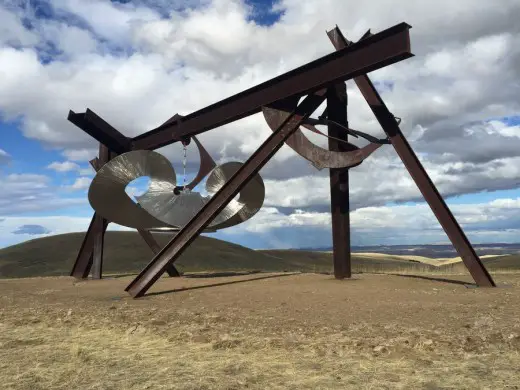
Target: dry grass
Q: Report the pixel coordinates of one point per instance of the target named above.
(437, 262)
(260, 331)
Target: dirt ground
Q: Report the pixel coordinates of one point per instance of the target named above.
(275, 331)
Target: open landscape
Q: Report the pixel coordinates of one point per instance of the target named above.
(398, 324)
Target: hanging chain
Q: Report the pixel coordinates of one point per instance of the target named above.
(184, 147)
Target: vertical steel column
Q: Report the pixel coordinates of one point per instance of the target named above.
(418, 173)
(339, 184)
(101, 224)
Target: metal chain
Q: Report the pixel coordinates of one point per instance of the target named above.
(184, 168)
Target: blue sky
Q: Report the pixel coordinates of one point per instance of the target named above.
(135, 62)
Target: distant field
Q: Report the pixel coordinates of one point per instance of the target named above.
(126, 252)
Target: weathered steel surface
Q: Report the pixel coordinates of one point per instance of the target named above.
(206, 165)
(91, 250)
(418, 173)
(339, 183)
(156, 248)
(260, 157)
(83, 263)
(379, 50)
(100, 130)
(348, 156)
(99, 235)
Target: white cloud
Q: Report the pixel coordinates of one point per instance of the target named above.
(402, 224)
(80, 183)
(464, 73)
(25, 193)
(80, 154)
(64, 166)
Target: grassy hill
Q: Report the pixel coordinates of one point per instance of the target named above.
(126, 252)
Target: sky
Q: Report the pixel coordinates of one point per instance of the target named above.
(137, 63)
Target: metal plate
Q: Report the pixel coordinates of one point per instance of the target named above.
(107, 193)
(159, 208)
(318, 156)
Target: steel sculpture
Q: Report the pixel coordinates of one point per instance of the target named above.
(165, 207)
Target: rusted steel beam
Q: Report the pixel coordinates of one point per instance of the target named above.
(83, 263)
(90, 255)
(379, 50)
(196, 225)
(99, 239)
(339, 183)
(96, 259)
(156, 248)
(418, 173)
(100, 130)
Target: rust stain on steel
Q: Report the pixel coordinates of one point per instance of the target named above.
(83, 262)
(339, 182)
(349, 156)
(420, 176)
(379, 50)
(100, 130)
(101, 224)
(90, 255)
(246, 172)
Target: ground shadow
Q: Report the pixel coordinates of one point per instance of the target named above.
(193, 275)
(435, 279)
(221, 284)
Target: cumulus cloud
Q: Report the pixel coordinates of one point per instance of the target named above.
(137, 64)
(497, 220)
(64, 166)
(452, 85)
(80, 183)
(22, 193)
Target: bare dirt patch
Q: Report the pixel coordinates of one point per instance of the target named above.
(275, 331)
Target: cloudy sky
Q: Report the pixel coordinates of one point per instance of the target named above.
(136, 63)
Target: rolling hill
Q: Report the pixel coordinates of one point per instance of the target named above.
(126, 252)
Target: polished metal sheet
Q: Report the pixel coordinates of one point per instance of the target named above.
(159, 208)
(250, 199)
(107, 191)
(178, 210)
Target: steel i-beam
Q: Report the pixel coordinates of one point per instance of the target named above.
(379, 50)
(339, 183)
(418, 173)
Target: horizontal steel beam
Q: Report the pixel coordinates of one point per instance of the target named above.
(379, 50)
(100, 130)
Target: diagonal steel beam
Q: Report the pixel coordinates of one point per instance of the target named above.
(379, 50)
(196, 225)
(156, 248)
(418, 173)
